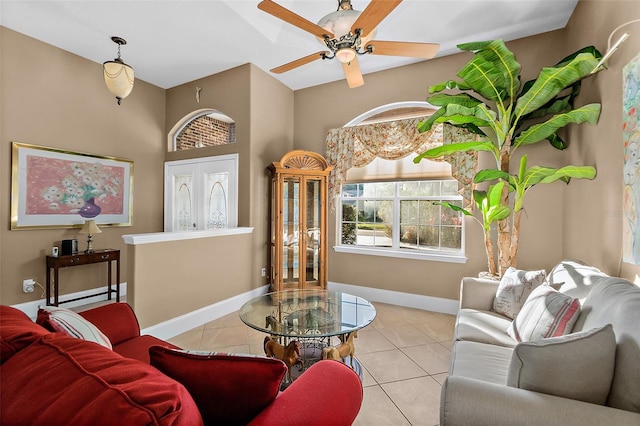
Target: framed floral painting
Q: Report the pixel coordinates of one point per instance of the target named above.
(54, 188)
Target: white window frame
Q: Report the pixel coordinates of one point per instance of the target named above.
(396, 250)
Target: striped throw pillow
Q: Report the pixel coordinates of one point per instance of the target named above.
(60, 319)
(546, 313)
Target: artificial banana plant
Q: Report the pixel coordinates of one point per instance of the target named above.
(493, 103)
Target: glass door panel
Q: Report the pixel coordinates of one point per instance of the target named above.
(313, 230)
(291, 232)
(216, 210)
(183, 215)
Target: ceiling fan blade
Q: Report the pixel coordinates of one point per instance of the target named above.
(404, 48)
(298, 62)
(373, 14)
(353, 73)
(286, 15)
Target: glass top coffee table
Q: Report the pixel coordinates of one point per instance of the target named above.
(309, 319)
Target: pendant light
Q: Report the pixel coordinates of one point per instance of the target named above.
(118, 76)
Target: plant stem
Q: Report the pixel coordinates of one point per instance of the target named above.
(515, 236)
(488, 244)
(504, 228)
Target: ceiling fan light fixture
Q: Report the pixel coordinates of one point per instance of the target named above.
(339, 23)
(118, 76)
(345, 55)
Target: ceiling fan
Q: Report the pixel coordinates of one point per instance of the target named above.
(348, 33)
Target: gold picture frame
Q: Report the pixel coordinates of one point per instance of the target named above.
(55, 188)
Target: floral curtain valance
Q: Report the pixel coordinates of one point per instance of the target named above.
(358, 146)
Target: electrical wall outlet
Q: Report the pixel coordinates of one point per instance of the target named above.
(28, 285)
(264, 272)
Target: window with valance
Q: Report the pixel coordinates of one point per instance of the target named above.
(357, 146)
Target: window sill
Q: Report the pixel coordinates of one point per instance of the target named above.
(404, 254)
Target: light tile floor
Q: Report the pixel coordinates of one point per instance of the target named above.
(404, 354)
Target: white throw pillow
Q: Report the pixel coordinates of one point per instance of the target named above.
(61, 319)
(576, 366)
(514, 288)
(546, 313)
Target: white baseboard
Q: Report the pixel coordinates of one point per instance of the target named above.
(409, 300)
(31, 308)
(175, 326)
(171, 328)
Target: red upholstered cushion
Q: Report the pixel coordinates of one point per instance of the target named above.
(328, 393)
(116, 320)
(138, 348)
(228, 389)
(62, 380)
(17, 331)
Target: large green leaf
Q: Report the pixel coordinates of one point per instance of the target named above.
(471, 125)
(426, 125)
(463, 99)
(571, 172)
(494, 193)
(589, 49)
(487, 175)
(493, 72)
(453, 207)
(535, 175)
(539, 174)
(488, 203)
(459, 115)
(450, 84)
(575, 87)
(479, 196)
(554, 106)
(538, 132)
(493, 210)
(456, 147)
(557, 142)
(498, 213)
(552, 81)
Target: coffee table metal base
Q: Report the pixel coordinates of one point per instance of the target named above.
(309, 355)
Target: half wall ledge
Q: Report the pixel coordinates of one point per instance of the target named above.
(159, 237)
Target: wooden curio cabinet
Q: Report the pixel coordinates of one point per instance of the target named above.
(299, 221)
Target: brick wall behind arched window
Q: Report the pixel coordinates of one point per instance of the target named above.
(205, 131)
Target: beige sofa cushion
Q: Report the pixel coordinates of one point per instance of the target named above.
(616, 301)
(480, 361)
(576, 366)
(574, 278)
(484, 327)
(514, 288)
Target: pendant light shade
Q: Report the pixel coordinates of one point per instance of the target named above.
(118, 76)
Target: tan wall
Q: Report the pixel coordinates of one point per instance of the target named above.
(53, 98)
(593, 211)
(179, 277)
(272, 114)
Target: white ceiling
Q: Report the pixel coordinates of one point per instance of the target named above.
(174, 42)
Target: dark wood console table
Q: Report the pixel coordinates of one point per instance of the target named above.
(97, 256)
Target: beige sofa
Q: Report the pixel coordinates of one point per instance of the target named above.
(486, 386)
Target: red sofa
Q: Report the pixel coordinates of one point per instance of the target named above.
(50, 378)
